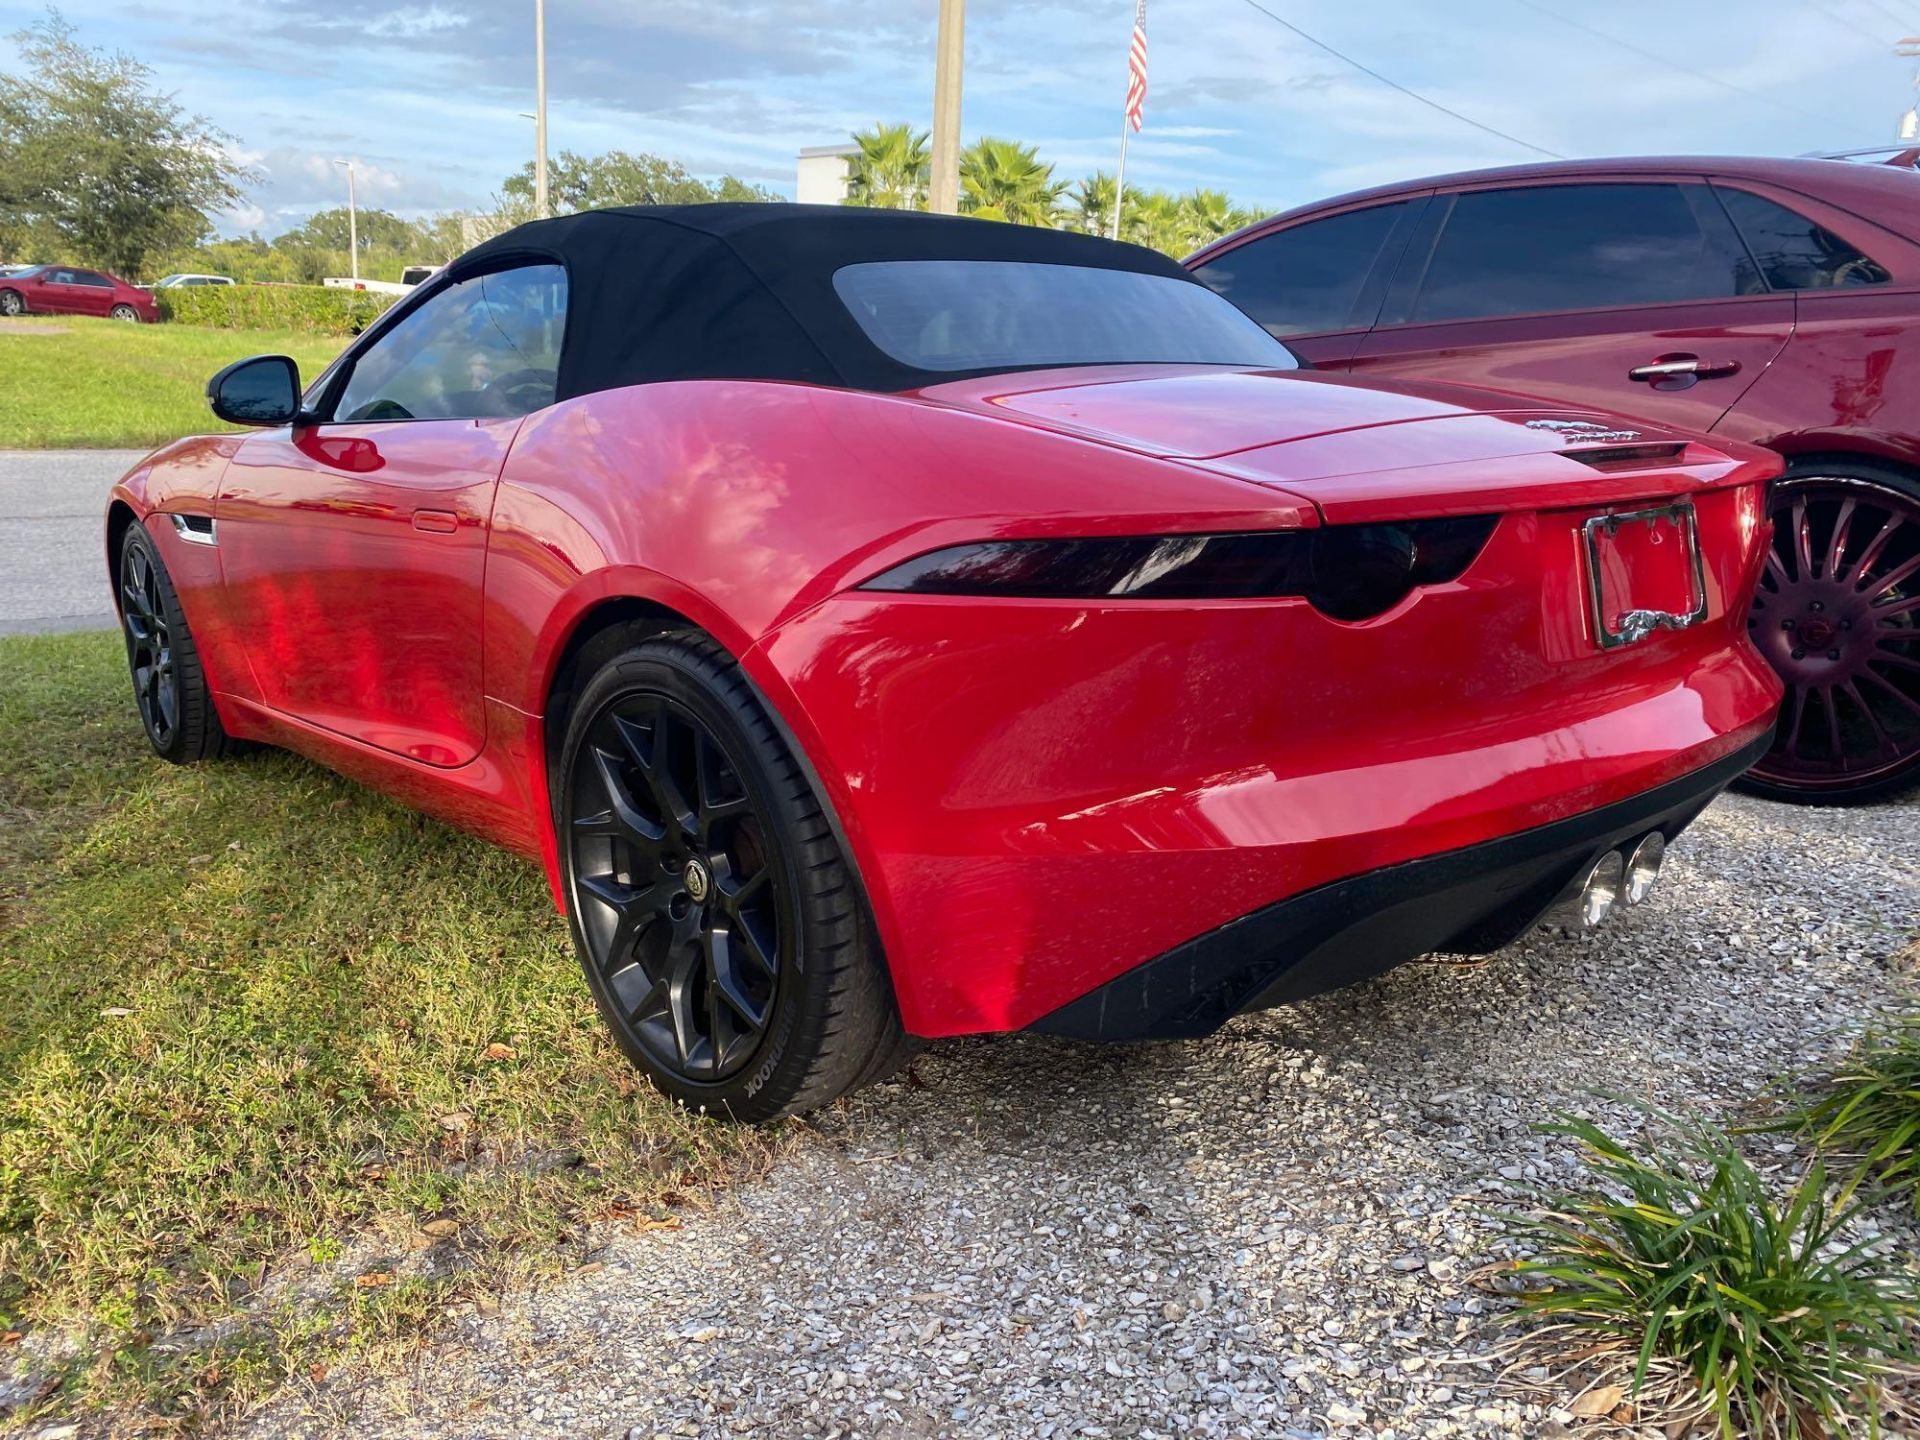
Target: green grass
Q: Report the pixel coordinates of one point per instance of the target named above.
(73, 382)
(1677, 1272)
(1868, 1110)
(285, 1069)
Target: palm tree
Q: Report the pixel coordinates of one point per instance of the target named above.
(1209, 215)
(1093, 204)
(1004, 180)
(1156, 219)
(891, 170)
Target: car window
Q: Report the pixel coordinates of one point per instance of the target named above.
(1576, 247)
(62, 277)
(485, 347)
(87, 277)
(971, 315)
(1793, 252)
(1306, 277)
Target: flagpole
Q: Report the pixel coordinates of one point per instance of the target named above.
(1130, 112)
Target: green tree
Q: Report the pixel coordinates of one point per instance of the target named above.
(1093, 204)
(1156, 219)
(619, 177)
(98, 165)
(329, 229)
(1209, 215)
(1005, 180)
(891, 170)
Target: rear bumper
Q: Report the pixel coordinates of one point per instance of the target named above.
(1474, 899)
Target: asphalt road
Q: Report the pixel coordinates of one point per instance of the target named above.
(52, 576)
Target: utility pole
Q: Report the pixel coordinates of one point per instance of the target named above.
(1909, 48)
(943, 185)
(540, 205)
(353, 224)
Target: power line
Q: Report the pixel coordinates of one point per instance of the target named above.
(1849, 22)
(1634, 49)
(1904, 24)
(1396, 85)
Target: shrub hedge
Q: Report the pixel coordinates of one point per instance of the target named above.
(316, 309)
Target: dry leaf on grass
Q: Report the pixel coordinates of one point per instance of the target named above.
(1602, 1400)
(440, 1229)
(456, 1123)
(373, 1279)
(497, 1051)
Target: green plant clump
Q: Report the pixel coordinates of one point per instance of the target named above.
(1869, 1109)
(1680, 1261)
(311, 309)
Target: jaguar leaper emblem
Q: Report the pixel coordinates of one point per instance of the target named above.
(1587, 431)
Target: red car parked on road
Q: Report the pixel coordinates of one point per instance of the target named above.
(1773, 301)
(886, 625)
(69, 290)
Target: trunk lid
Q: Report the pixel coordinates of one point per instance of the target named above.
(1361, 450)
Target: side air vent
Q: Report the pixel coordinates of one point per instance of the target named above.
(195, 529)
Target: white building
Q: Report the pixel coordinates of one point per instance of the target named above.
(821, 177)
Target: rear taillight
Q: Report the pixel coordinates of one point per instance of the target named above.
(1350, 572)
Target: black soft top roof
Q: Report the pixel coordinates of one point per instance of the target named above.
(745, 291)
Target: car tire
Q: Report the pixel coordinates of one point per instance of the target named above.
(125, 313)
(1837, 614)
(169, 685)
(12, 302)
(719, 923)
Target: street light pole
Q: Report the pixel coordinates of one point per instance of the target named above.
(353, 224)
(1909, 48)
(943, 185)
(540, 206)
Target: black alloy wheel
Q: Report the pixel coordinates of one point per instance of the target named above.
(689, 921)
(143, 616)
(11, 303)
(169, 685)
(715, 916)
(1837, 613)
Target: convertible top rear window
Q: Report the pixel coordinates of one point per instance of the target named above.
(974, 315)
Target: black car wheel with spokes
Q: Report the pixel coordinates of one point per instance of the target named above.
(169, 686)
(1837, 613)
(715, 914)
(11, 303)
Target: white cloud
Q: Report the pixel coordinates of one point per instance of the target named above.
(413, 21)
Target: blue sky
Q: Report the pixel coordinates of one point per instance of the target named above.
(424, 94)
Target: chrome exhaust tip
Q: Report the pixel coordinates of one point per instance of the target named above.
(1643, 868)
(1591, 900)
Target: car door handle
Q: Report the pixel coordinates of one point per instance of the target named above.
(1672, 367)
(436, 522)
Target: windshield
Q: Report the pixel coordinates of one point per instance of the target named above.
(20, 272)
(968, 315)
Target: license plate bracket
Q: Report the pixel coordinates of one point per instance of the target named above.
(1644, 572)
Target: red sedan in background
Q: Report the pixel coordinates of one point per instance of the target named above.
(69, 290)
(1773, 301)
(886, 625)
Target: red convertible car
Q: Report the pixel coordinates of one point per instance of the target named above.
(1771, 301)
(886, 626)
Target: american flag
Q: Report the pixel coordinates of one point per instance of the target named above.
(1137, 67)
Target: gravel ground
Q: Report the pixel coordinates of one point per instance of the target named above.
(53, 504)
(1268, 1233)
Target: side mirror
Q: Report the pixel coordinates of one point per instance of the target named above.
(261, 390)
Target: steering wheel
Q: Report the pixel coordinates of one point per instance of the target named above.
(1860, 266)
(521, 391)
